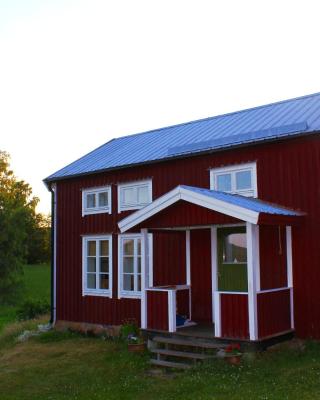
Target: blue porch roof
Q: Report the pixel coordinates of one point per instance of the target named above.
(273, 121)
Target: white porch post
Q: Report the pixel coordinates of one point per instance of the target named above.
(216, 314)
(188, 259)
(253, 266)
(144, 276)
(289, 271)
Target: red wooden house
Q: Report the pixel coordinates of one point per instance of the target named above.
(213, 222)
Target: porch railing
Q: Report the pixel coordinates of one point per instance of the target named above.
(163, 305)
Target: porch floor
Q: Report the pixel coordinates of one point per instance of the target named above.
(199, 330)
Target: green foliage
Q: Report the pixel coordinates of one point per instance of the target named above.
(30, 309)
(24, 234)
(129, 328)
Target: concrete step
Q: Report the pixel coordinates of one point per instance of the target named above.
(169, 364)
(182, 354)
(188, 342)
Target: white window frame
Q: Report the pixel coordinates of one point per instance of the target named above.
(97, 209)
(133, 185)
(96, 292)
(129, 293)
(233, 169)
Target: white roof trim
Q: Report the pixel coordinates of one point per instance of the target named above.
(181, 193)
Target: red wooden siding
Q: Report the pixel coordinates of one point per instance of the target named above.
(201, 288)
(157, 310)
(186, 214)
(288, 174)
(273, 257)
(234, 316)
(169, 258)
(273, 313)
(183, 302)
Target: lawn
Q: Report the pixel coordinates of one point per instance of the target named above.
(69, 366)
(66, 365)
(36, 287)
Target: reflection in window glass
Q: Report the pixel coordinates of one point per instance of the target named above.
(224, 182)
(243, 180)
(103, 199)
(235, 248)
(91, 200)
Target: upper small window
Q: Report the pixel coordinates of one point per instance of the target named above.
(95, 201)
(135, 195)
(239, 179)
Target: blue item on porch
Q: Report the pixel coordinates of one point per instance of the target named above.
(180, 320)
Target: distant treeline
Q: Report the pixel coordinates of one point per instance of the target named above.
(24, 233)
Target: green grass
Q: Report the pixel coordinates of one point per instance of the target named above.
(36, 287)
(60, 366)
(69, 366)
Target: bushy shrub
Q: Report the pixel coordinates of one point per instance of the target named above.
(129, 328)
(32, 308)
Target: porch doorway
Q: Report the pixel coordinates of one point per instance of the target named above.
(201, 280)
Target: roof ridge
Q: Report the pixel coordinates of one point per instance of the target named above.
(218, 116)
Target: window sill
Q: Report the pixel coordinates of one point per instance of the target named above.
(90, 212)
(126, 295)
(97, 293)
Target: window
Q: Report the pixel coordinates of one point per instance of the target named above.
(97, 265)
(130, 264)
(135, 195)
(239, 179)
(96, 201)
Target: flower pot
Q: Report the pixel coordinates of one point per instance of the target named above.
(136, 347)
(233, 359)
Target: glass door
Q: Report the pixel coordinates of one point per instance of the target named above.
(232, 259)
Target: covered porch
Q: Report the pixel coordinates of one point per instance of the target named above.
(236, 278)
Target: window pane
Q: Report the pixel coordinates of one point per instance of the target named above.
(91, 248)
(139, 246)
(129, 196)
(235, 248)
(104, 264)
(143, 195)
(128, 248)
(139, 283)
(224, 182)
(139, 264)
(103, 199)
(128, 264)
(243, 180)
(91, 200)
(91, 264)
(128, 282)
(104, 281)
(91, 281)
(104, 247)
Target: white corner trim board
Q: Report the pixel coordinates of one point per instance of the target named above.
(182, 193)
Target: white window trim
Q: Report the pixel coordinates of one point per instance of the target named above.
(126, 293)
(96, 210)
(96, 292)
(129, 185)
(233, 169)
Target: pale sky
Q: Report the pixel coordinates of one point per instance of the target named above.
(75, 73)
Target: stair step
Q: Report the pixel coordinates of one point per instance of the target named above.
(183, 354)
(169, 364)
(186, 342)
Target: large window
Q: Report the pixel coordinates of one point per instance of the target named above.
(130, 264)
(134, 195)
(96, 201)
(239, 179)
(97, 265)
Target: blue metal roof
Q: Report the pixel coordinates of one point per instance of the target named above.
(248, 203)
(272, 121)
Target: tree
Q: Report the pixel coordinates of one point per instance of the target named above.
(18, 223)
